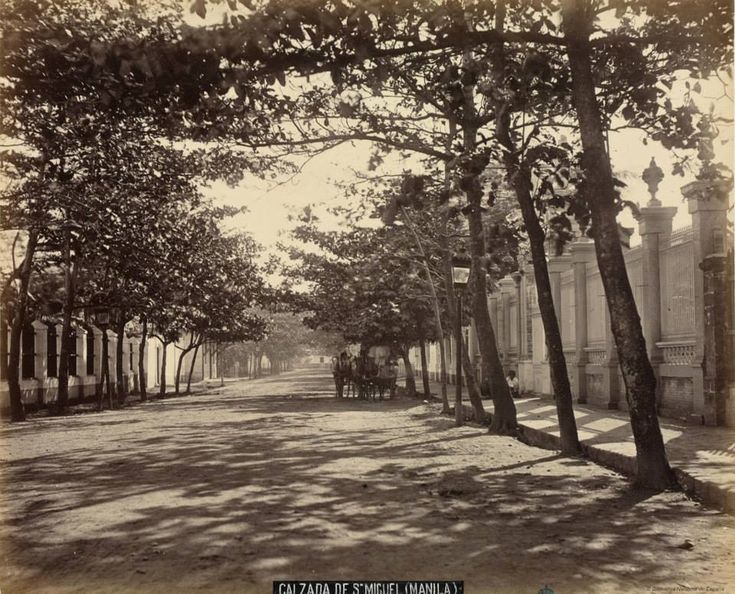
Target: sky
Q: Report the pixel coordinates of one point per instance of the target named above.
(318, 183)
(269, 204)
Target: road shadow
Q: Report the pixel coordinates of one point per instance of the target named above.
(231, 491)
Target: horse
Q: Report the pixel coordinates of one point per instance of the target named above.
(364, 376)
(342, 373)
(386, 379)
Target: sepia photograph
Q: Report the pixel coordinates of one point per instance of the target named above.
(367, 297)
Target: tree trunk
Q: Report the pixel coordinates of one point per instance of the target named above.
(119, 355)
(557, 361)
(437, 313)
(424, 369)
(410, 378)
(141, 361)
(162, 387)
(504, 413)
(17, 412)
(519, 176)
(653, 470)
(70, 284)
(473, 390)
(177, 379)
(191, 368)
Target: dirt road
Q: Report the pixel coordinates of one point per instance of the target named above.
(276, 479)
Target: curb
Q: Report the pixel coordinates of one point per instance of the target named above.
(705, 491)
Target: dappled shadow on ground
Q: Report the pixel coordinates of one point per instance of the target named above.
(707, 453)
(228, 491)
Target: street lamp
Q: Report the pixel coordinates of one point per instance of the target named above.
(460, 276)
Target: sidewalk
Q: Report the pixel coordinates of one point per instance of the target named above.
(703, 458)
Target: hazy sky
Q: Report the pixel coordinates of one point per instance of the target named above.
(318, 183)
(269, 204)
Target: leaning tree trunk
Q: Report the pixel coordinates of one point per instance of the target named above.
(504, 414)
(119, 356)
(519, 176)
(473, 390)
(191, 368)
(179, 365)
(653, 470)
(410, 378)
(424, 368)
(142, 379)
(557, 362)
(17, 412)
(162, 387)
(70, 284)
(437, 312)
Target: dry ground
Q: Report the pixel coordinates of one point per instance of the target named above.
(276, 479)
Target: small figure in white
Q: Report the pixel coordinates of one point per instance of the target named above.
(513, 385)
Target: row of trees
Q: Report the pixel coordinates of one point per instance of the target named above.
(286, 341)
(481, 90)
(105, 206)
(485, 87)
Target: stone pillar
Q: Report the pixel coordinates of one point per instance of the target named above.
(59, 334)
(557, 265)
(40, 362)
(40, 349)
(517, 278)
(474, 350)
(126, 362)
(655, 229)
(81, 363)
(97, 357)
(716, 347)
(709, 225)
(81, 351)
(112, 356)
(134, 346)
(582, 253)
(507, 288)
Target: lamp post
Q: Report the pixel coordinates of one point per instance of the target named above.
(460, 277)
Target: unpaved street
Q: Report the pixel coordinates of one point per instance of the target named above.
(276, 479)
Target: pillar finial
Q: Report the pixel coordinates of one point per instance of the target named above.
(653, 175)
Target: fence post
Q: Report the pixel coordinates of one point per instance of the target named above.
(97, 359)
(517, 278)
(582, 251)
(40, 350)
(112, 339)
(81, 360)
(716, 356)
(40, 361)
(507, 287)
(654, 226)
(709, 226)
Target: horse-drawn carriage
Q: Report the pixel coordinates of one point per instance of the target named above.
(364, 376)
